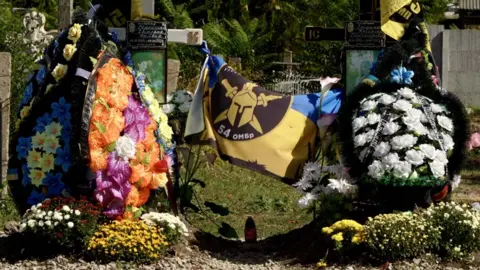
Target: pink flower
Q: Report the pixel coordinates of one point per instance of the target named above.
(474, 141)
(435, 80)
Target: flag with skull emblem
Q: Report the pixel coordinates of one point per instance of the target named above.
(254, 128)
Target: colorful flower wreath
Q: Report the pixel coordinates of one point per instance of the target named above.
(124, 155)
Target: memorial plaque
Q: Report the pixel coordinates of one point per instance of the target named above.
(147, 35)
(364, 34)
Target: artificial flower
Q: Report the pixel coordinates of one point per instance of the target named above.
(373, 118)
(37, 177)
(165, 131)
(54, 184)
(136, 120)
(447, 141)
(180, 96)
(341, 186)
(376, 170)
(360, 140)
(428, 150)
(419, 129)
(42, 122)
(158, 180)
(445, 122)
(143, 195)
(61, 110)
(69, 51)
(125, 147)
(414, 157)
(168, 108)
(441, 157)
(402, 105)
(184, 107)
(390, 128)
(133, 196)
(23, 146)
(402, 169)
(25, 111)
(75, 32)
(306, 200)
(386, 99)
(155, 111)
(63, 158)
(48, 162)
(35, 197)
(34, 159)
(25, 175)
(473, 143)
(382, 149)
(402, 76)
(98, 159)
(436, 108)
(39, 140)
(404, 141)
(369, 105)
(54, 129)
(406, 93)
(359, 123)
(147, 95)
(59, 72)
(51, 144)
(456, 181)
(437, 168)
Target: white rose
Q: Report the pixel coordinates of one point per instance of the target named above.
(445, 122)
(441, 156)
(59, 72)
(69, 51)
(168, 108)
(373, 118)
(428, 150)
(410, 121)
(125, 147)
(390, 160)
(447, 141)
(397, 142)
(386, 99)
(402, 105)
(67, 217)
(369, 105)
(409, 140)
(376, 169)
(437, 168)
(179, 97)
(360, 140)
(66, 208)
(382, 149)
(402, 169)
(70, 224)
(419, 129)
(406, 93)
(415, 113)
(414, 157)
(390, 128)
(185, 107)
(436, 108)
(359, 123)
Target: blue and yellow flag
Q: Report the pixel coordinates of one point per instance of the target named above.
(254, 128)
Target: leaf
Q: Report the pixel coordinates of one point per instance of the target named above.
(217, 209)
(227, 231)
(111, 147)
(100, 127)
(93, 60)
(137, 214)
(104, 103)
(200, 182)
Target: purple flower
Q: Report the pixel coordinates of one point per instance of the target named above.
(118, 169)
(136, 119)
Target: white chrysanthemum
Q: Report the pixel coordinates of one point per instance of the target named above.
(445, 122)
(342, 186)
(360, 140)
(386, 99)
(390, 160)
(402, 169)
(359, 123)
(165, 220)
(402, 105)
(369, 105)
(428, 150)
(406, 93)
(382, 149)
(414, 157)
(125, 147)
(306, 200)
(390, 128)
(437, 168)
(376, 170)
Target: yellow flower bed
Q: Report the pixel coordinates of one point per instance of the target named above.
(341, 228)
(128, 240)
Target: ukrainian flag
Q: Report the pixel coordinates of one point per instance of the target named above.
(254, 128)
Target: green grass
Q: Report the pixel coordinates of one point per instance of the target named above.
(271, 203)
(8, 212)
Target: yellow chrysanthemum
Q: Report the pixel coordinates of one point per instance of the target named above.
(166, 131)
(155, 110)
(34, 159)
(148, 95)
(37, 177)
(321, 264)
(48, 162)
(338, 237)
(54, 129)
(163, 117)
(327, 230)
(38, 141)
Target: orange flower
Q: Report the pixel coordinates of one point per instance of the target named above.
(114, 127)
(145, 180)
(133, 196)
(127, 215)
(99, 113)
(98, 159)
(144, 193)
(137, 173)
(158, 180)
(95, 140)
(152, 127)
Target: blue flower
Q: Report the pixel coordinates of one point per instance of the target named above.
(41, 75)
(24, 145)
(61, 110)
(27, 95)
(63, 158)
(54, 184)
(25, 172)
(401, 76)
(36, 197)
(66, 132)
(42, 122)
